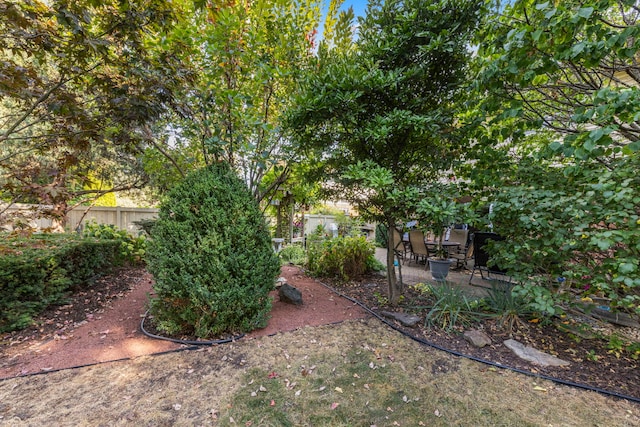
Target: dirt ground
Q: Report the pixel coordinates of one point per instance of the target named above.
(102, 323)
(119, 383)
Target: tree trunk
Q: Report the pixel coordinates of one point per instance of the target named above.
(394, 291)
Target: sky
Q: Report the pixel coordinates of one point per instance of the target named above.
(359, 6)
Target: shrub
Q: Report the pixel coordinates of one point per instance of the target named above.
(211, 256)
(293, 254)
(132, 249)
(347, 258)
(451, 308)
(381, 236)
(39, 270)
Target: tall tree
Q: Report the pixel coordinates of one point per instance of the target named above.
(78, 85)
(385, 116)
(251, 55)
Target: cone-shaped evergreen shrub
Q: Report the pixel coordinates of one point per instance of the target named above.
(211, 257)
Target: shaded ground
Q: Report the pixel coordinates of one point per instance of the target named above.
(592, 361)
(101, 323)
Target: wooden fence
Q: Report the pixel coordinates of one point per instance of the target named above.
(121, 217)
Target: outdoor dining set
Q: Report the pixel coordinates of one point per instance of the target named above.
(416, 246)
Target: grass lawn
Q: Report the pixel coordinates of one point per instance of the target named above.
(357, 373)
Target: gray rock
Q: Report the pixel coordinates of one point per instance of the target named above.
(534, 356)
(405, 319)
(477, 338)
(289, 294)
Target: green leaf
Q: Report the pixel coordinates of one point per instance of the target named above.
(585, 12)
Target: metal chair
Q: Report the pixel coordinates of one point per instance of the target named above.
(418, 248)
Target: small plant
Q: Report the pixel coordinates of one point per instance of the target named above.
(381, 299)
(616, 345)
(293, 254)
(592, 356)
(451, 308)
(509, 308)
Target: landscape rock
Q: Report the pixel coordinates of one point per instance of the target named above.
(289, 294)
(534, 356)
(405, 319)
(477, 338)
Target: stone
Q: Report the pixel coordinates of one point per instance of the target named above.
(280, 281)
(477, 338)
(289, 294)
(532, 355)
(405, 319)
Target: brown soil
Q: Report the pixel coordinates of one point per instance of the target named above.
(102, 323)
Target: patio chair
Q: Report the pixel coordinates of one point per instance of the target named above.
(463, 256)
(481, 257)
(399, 247)
(418, 248)
(460, 236)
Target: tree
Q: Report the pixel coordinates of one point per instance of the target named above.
(568, 74)
(386, 115)
(251, 56)
(80, 84)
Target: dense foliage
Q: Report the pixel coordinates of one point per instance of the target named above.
(80, 85)
(566, 73)
(386, 115)
(41, 269)
(211, 257)
(343, 257)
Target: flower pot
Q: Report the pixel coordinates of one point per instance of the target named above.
(439, 268)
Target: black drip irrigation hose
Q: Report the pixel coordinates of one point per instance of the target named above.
(185, 342)
(477, 359)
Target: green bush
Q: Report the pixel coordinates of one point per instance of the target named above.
(381, 236)
(40, 270)
(211, 256)
(132, 249)
(293, 254)
(347, 258)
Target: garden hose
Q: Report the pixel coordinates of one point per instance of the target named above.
(185, 342)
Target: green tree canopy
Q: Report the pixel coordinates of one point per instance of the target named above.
(385, 116)
(79, 84)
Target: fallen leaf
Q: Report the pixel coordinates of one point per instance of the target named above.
(366, 386)
(339, 390)
(254, 394)
(538, 388)
(273, 375)
(322, 388)
(334, 405)
(297, 393)
(273, 403)
(437, 413)
(356, 376)
(262, 388)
